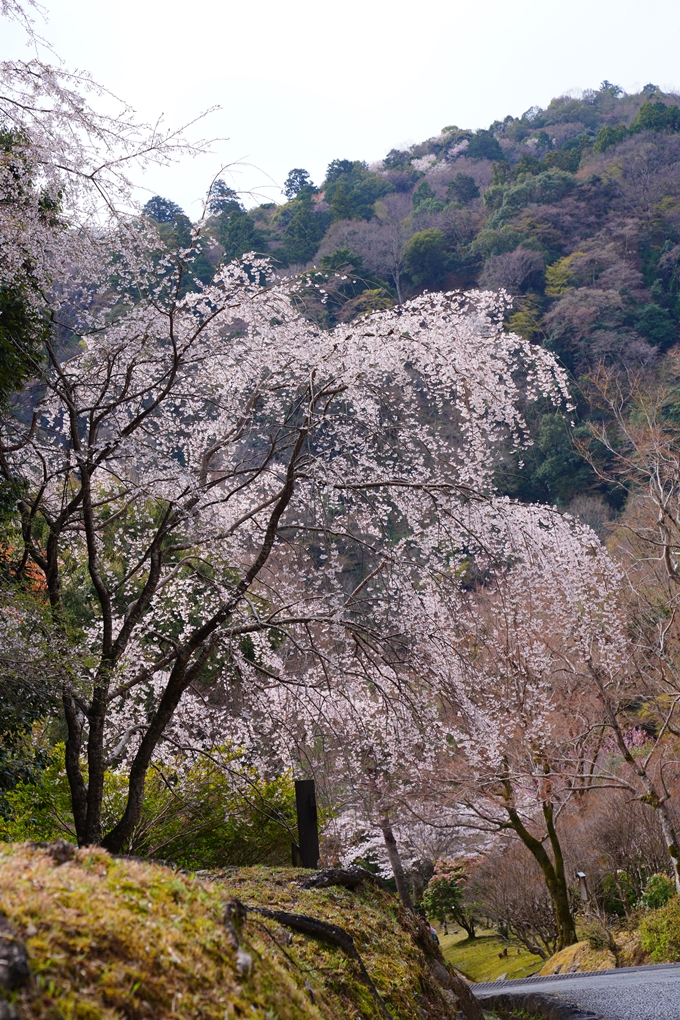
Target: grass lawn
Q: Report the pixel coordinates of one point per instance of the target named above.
(478, 958)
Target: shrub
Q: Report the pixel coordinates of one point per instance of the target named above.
(443, 898)
(658, 891)
(214, 813)
(660, 933)
(598, 936)
(425, 256)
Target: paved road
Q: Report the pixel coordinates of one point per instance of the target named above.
(632, 993)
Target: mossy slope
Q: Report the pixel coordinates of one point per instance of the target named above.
(580, 956)
(116, 939)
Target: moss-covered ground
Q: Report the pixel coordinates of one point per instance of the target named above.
(580, 956)
(118, 939)
(482, 959)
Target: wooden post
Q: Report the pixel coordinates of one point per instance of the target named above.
(306, 855)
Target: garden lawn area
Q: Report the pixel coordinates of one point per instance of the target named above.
(478, 958)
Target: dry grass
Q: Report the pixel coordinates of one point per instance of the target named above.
(116, 939)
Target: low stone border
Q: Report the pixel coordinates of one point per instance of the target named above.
(537, 979)
(534, 1002)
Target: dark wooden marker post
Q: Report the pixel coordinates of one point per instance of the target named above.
(306, 855)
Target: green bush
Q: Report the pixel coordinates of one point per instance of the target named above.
(660, 933)
(658, 891)
(425, 257)
(444, 897)
(215, 813)
(598, 936)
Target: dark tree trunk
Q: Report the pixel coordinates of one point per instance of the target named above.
(553, 874)
(74, 724)
(396, 865)
(182, 675)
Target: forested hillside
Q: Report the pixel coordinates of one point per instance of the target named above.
(574, 210)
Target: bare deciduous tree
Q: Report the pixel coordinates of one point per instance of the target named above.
(381, 241)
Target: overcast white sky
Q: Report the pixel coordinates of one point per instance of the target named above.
(302, 83)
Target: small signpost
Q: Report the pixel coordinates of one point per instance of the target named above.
(582, 885)
(306, 855)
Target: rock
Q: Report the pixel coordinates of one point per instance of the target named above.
(629, 950)
(14, 969)
(535, 1004)
(60, 851)
(350, 878)
(244, 962)
(441, 974)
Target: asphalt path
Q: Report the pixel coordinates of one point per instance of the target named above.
(631, 993)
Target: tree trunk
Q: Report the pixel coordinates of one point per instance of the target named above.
(650, 797)
(181, 676)
(561, 888)
(671, 842)
(397, 283)
(553, 874)
(467, 923)
(96, 768)
(395, 863)
(74, 740)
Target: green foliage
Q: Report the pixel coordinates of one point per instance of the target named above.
(236, 231)
(660, 933)
(176, 234)
(425, 200)
(527, 319)
(462, 188)
(162, 210)
(303, 230)
(23, 326)
(551, 470)
(297, 180)
(569, 157)
(545, 188)
(215, 813)
(598, 936)
(352, 190)
(484, 145)
(658, 891)
(23, 331)
(490, 242)
(22, 756)
(560, 276)
(443, 898)
(425, 257)
(221, 197)
(342, 289)
(39, 807)
(618, 893)
(656, 325)
(657, 117)
(396, 159)
(609, 136)
(562, 470)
